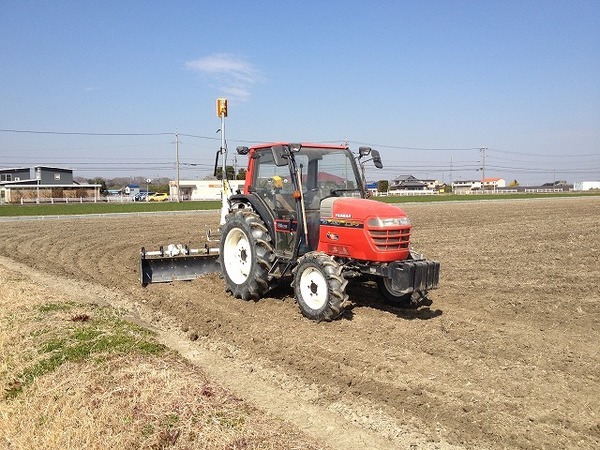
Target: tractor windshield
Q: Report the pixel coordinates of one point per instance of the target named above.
(322, 172)
(328, 172)
(325, 172)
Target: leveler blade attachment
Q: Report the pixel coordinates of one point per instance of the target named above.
(163, 269)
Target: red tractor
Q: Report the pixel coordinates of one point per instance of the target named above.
(304, 213)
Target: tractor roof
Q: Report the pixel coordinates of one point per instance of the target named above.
(304, 144)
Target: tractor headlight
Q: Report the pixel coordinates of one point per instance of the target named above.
(390, 222)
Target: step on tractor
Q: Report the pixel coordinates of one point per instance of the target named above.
(304, 217)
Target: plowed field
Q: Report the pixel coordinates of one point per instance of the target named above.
(507, 355)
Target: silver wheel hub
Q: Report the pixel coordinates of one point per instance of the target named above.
(313, 288)
(237, 256)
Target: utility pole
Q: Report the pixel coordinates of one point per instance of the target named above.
(225, 186)
(482, 150)
(177, 162)
(235, 170)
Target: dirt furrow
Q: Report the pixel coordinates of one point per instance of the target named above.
(505, 356)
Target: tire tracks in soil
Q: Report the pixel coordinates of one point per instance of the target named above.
(316, 421)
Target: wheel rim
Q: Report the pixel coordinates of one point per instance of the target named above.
(237, 256)
(313, 288)
(387, 282)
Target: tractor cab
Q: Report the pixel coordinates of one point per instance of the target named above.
(291, 181)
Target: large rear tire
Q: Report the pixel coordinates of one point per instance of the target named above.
(246, 255)
(319, 287)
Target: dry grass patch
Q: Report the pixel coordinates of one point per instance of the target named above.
(77, 375)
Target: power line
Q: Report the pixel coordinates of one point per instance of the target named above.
(245, 141)
(570, 155)
(535, 170)
(78, 133)
(493, 155)
(92, 158)
(211, 138)
(413, 148)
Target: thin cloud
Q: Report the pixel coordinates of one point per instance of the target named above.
(234, 76)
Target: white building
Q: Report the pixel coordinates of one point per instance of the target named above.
(586, 185)
(465, 186)
(202, 189)
(493, 183)
(468, 186)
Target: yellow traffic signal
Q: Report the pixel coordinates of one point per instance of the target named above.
(221, 107)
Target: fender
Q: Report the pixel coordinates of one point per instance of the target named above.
(259, 206)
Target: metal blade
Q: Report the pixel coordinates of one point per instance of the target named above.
(171, 268)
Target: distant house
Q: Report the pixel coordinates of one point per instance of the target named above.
(202, 189)
(560, 183)
(469, 186)
(131, 190)
(466, 186)
(408, 183)
(53, 175)
(48, 184)
(493, 183)
(14, 174)
(42, 175)
(431, 184)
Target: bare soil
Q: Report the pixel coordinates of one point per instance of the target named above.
(505, 356)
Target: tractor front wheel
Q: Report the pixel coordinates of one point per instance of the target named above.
(246, 255)
(319, 287)
(391, 295)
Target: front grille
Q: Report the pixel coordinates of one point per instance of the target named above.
(391, 239)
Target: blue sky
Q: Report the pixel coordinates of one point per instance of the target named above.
(425, 82)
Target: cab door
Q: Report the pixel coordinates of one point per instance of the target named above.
(273, 185)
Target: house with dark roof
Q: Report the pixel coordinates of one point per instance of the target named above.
(407, 183)
(14, 174)
(131, 190)
(48, 184)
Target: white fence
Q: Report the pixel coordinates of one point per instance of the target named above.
(544, 190)
(406, 192)
(59, 200)
(72, 200)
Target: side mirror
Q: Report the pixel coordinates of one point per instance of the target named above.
(377, 159)
(280, 155)
(241, 150)
(363, 151)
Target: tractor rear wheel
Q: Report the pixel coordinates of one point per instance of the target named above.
(319, 287)
(246, 255)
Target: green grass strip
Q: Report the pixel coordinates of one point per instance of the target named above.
(8, 210)
(477, 197)
(100, 338)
